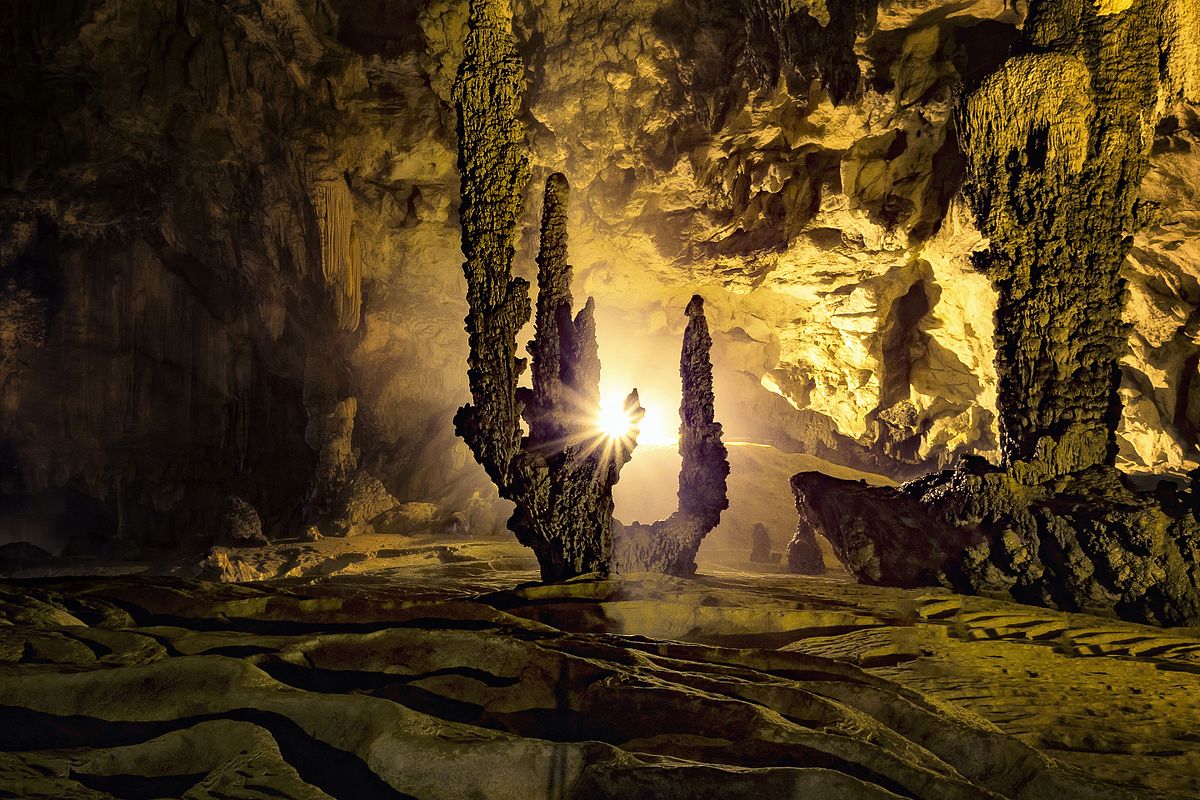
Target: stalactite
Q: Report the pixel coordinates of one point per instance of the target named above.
(818, 40)
(670, 545)
(341, 254)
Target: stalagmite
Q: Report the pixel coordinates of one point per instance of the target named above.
(670, 545)
(1057, 142)
(561, 475)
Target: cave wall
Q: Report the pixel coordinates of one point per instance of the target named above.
(229, 259)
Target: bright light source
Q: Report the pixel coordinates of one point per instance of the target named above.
(654, 429)
(613, 421)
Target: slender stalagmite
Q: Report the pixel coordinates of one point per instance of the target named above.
(670, 545)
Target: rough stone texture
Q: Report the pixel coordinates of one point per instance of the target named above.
(584, 690)
(239, 525)
(803, 553)
(1086, 542)
(1053, 176)
(670, 545)
(760, 544)
(363, 499)
(560, 476)
(494, 170)
(562, 479)
(168, 217)
(1057, 143)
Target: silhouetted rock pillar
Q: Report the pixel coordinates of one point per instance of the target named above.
(760, 544)
(803, 553)
(670, 545)
(562, 478)
(702, 494)
(561, 475)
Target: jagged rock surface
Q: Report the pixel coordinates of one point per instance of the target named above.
(670, 545)
(1086, 542)
(240, 525)
(1053, 176)
(560, 476)
(562, 479)
(803, 553)
(198, 216)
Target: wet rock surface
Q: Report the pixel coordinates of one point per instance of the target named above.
(428, 682)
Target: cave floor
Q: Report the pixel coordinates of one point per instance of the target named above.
(425, 673)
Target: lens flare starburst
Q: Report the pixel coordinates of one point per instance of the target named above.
(617, 422)
(614, 421)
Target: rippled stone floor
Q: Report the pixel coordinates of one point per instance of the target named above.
(423, 672)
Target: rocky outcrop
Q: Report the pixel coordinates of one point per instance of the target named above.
(1087, 542)
(760, 544)
(803, 553)
(1053, 177)
(239, 525)
(670, 545)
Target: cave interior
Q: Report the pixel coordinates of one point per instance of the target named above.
(580, 399)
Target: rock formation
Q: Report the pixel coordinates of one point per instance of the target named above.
(670, 545)
(256, 204)
(803, 553)
(760, 544)
(1054, 168)
(560, 476)
(240, 525)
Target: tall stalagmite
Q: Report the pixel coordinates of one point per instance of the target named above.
(561, 475)
(1057, 142)
(562, 478)
(670, 545)
(494, 170)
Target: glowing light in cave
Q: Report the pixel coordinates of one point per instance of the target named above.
(655, 429)
(614, 421)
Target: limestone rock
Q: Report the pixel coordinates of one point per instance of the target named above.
(760, 544)
(814, 207)
(359, 689)
(1087, 542)
(803, 554)
(239, 525)
(16, 556)
(408, 518)
(670, 545)
(222, 566)
(363, 500)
